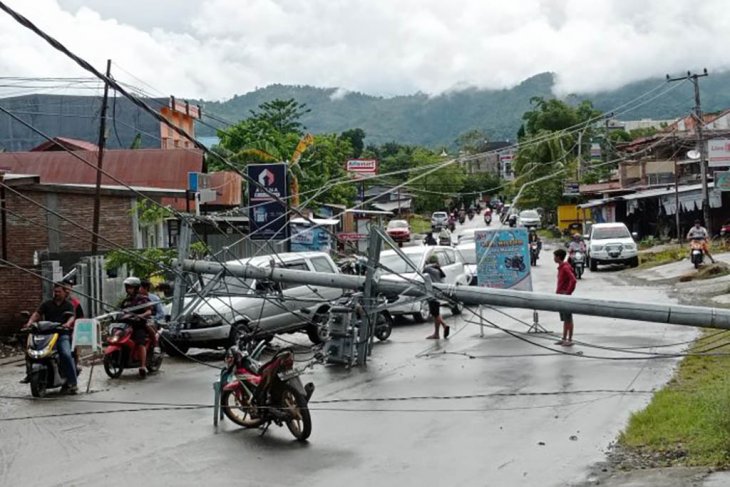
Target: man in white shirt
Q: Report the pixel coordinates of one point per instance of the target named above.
(698, 232)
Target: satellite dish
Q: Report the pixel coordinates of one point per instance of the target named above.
(693, 154)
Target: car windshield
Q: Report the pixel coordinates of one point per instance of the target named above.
(610, 232)
(230, 285)
(439, 214)
(398, 224)
(469, 254)
(529, 214)
(392, 263)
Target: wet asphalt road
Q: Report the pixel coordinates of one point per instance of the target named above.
(531, 416)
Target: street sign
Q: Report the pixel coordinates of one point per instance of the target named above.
(351, 237)
(86, 334)
(198, 181)
(268, 218)
(571, 188)
(362, 167)
(503, 259)
(722, 180)
(718, 152)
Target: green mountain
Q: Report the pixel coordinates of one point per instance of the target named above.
(437, 121)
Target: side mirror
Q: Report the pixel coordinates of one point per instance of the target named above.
(586, 237)
(635, 235)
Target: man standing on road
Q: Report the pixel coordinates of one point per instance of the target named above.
(433, 269)
(566, 285)
(700, 233)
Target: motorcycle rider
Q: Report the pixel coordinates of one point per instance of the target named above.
(577, 245)
(533, 237)
(142, 331)
(60, 310)
(700, 233)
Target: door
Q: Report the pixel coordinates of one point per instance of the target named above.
(324, 264)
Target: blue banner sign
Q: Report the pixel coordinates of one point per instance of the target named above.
(503, 259)
(268, 218)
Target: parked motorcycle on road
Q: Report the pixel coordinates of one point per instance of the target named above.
(255, 394)
(42, 354)
(121, 353)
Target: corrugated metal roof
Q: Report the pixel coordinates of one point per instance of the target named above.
(155, 168)
(65, 142)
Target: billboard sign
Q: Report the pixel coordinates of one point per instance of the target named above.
(362, 167)
(571, 188)
(503, 259)
(718, 152)
(722, 180)
(268, 218)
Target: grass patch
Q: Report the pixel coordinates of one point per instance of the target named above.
(420, 224)
(707, 271)
(666, 256)
(688, 421)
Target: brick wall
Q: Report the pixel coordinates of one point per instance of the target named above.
(20, 292)
(27, 233)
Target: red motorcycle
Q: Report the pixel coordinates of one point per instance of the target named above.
(121, 351)
(254, 394)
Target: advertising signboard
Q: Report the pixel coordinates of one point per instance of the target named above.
(503, 259)
(722, 180)
(362, 167)
(718, 152)
(571, 188)
(268, 218)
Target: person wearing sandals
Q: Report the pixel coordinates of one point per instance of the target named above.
(566, 285)
(433, 269)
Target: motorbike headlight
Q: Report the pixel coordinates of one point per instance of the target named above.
(596, 248)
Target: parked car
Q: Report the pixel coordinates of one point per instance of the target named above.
(467, 235)
(396, 268)
(611, 243)
(530, 219)
(399, 230)
(235, 304)
(439, 219)
(469, 254)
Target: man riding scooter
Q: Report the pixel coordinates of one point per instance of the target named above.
(59, 310)
(698, 232)
(144, 328)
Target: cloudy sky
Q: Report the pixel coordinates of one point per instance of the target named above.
(217, 48)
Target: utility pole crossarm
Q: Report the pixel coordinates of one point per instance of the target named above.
(658, 313)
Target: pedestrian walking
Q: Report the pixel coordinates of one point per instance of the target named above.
(433, 269)
(566, 285)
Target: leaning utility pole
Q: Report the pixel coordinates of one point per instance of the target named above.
(699, 126)
(99, 163)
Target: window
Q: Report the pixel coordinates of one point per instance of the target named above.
(321, 264)
(450, 256)
(293, 266)
(610, 232)
(441, 256)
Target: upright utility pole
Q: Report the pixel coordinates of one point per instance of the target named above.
(99, 162)
(699, 127)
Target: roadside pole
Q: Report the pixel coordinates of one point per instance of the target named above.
(99, 162)
(183, 249)
(658, 313)
(367, 332)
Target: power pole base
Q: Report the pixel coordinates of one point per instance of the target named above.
(536, 326)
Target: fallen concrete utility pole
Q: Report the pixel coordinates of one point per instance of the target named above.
(658, 313)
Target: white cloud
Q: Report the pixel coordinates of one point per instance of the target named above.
(217, 48)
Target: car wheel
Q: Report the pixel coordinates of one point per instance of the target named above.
(423, 314)
(238, 330)
(457, 308)
(593, 266)
(634, 262)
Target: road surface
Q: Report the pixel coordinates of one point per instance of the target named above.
(518, 411)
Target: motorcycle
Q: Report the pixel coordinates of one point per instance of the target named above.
(121, 351)
(452, 225)
(512, 221)
(445, 241)
(255, 394)
(488, 218)
(44, 363)
(534, 253)
(516, 263)
(578, 261)
(470, 214)
(696, 254)
(354, 266)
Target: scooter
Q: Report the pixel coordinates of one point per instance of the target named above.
(578, 261)
(43, 358)
(121, 353)
(696, 254)
(488, 218)
(534, 253)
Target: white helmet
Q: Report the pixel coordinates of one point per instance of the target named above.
(132, 281)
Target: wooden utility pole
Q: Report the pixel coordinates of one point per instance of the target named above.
(100, 161)
(699, 127)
